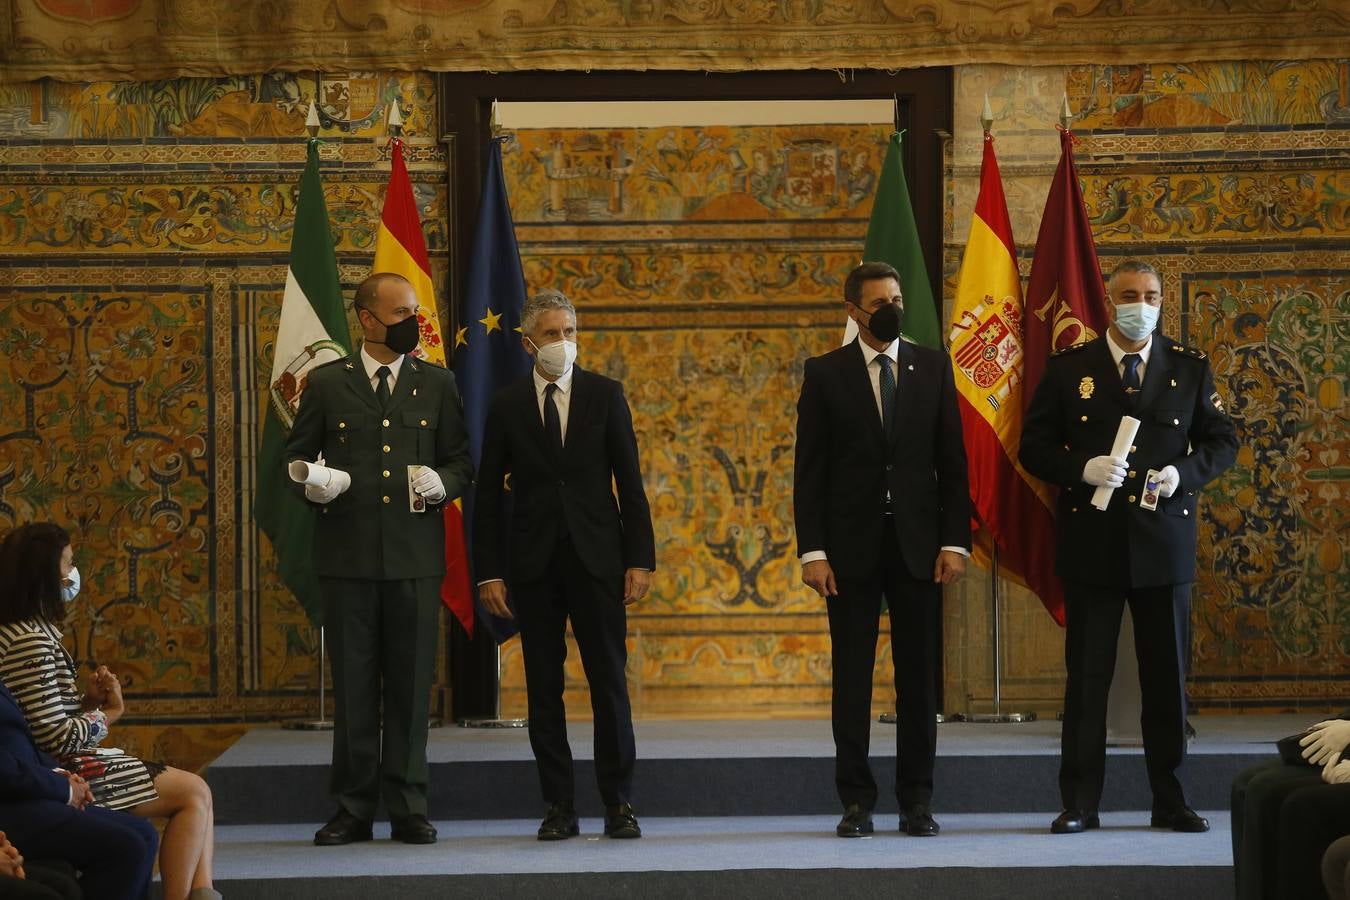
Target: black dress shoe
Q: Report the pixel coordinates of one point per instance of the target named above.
(855, 823)
(621, 823)
(414, 830)
(560, 823)
(1183, 818)
(917, 821)
(1074, 821)
(343, 828)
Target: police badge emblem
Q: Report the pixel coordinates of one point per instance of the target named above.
(1086, 387)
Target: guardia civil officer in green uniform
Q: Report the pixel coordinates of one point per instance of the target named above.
(394, 424)
(1140, 550)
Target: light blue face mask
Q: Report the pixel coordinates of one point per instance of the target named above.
(68, 591)
(1137, 320)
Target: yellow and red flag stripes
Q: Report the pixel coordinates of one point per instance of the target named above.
(400, 247)
(1013, 510)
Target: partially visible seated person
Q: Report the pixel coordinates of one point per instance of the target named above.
(45, 812)
(1336, 869)
(1285, 815)
(37, 579)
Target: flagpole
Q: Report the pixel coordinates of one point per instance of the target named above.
(496, 721)
(322, 723)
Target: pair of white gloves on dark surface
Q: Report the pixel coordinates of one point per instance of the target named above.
(1324, 745)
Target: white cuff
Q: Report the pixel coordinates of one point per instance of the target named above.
(962, 550)
(811, 556)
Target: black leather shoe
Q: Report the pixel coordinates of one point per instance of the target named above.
(414, 830)
(560, 823)
(917, 821)
(1183, 818)
(621, 823)
(343, 828)
(855, 823)
(1074, 821)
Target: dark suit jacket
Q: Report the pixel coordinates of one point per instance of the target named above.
(27, 783)
(600, 457)
(368, 532)
(1073, 417)
(844, 465)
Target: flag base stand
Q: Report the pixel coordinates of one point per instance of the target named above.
(496, 720)
(322, 723)
(942, 718)
(1000, 717)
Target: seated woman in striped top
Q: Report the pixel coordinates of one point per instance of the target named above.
(37, 579)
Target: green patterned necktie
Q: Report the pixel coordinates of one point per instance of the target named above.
(887, 394)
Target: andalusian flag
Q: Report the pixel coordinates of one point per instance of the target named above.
(401, 248)
(893, 237)
(1014, 511)
(312, 331)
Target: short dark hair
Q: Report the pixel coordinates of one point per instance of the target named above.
(1136, 265)
(368, 290)
(30, 573)
(868, 271)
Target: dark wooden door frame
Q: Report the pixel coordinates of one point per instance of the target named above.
(923, 101)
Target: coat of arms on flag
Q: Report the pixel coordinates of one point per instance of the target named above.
(991, 354)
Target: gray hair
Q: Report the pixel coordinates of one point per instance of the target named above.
(542, 302)
(1136, 265)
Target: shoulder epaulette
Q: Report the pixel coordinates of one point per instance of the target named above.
(332, 362)
(1071, 348)
(1188, 351)
(425, 362)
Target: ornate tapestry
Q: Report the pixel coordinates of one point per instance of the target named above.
(107, 39)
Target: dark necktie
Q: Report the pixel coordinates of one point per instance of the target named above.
(1131, 379)
(552, 422)
(887, 394)
(382, 389)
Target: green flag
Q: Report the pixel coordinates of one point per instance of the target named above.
(893, 237)
(312, 331)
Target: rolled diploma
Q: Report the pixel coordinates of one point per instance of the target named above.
(320, 476)
(1129, 427)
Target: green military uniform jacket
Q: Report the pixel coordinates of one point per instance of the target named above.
(368, 532)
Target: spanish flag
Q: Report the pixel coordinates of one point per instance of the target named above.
(401, 248)
(1014, 512)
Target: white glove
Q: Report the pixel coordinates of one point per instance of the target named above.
(1169, 479)
(1335, 771)
(1105, 471)
(1324, 740)
(428, 484)
(338, 481)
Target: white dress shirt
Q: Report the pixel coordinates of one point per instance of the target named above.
(562, 397)
(372, 365)
(1118, 354)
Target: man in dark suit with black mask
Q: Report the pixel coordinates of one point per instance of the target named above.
(882, 509)
(565, 438)
(1140, 550)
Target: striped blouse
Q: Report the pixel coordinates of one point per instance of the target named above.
(44, 684)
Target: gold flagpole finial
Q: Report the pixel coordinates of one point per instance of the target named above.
(1066, 114)
(312, 120)
(986, 115)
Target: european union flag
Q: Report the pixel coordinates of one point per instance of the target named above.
(488, 354)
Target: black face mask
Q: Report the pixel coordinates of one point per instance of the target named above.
(401, 337)
(884, 323)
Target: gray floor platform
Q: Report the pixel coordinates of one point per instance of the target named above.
(732, 768)
(977, 855)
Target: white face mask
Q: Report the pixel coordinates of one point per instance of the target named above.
(1136, 320)
(68, 591)
(556, 358)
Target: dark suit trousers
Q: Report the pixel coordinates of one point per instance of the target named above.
(382, 642)
(1258, 796)
(114, 851)
(600, 626)
(914, 606)
(1161, 616)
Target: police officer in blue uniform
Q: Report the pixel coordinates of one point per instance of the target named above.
(1138, 552)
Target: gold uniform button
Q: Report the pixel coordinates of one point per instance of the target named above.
(1132, 473)
(1176, 421)
(386, 448)
(1084, 419)
(1074, 509)
(386, 473)
(342, 424)
(386, 499)
(424, 423)
(1185, 512)
(1132, 498)
(1134, 449)
(386, 423)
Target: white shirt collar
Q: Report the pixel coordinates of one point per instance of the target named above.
(372, 364)
(564, 381)
(892, 350)
(1118, 352)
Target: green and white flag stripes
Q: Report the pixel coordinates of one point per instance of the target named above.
(312, 331)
